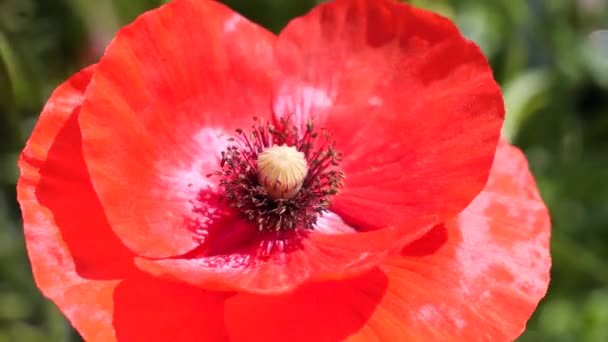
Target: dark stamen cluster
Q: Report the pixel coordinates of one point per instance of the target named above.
(242, 190)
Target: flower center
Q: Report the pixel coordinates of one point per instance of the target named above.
(281, 171)
(280, 178)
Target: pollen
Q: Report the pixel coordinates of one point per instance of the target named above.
(281, 171)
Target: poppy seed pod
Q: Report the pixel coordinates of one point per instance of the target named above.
(281, 171)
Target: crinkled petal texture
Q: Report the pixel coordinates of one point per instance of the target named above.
(477, 277)
(411, 103)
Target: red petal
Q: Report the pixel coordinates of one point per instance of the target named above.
(65, 229)
(479, 276)
(56, 193)
(149, 309)
(77, 261)
(476, 278)
(275, 263)
(412, 105)
(167, 88)
(329, 311)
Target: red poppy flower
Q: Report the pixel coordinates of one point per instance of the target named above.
(370, 199)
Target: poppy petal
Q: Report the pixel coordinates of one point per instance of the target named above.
(54, 183)
(327, 311)
(412, 106)
(478, 277)
(151, 309)
(166, 95)
(77, 261)
(481, 275)
(67, 237)
(280, 262)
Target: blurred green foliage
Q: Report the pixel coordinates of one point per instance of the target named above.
(550, 56)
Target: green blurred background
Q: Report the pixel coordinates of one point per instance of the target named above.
(550, 56)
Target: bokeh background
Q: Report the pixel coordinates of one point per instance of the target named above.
(550, 57)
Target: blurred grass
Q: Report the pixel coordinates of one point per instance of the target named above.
(551, 58)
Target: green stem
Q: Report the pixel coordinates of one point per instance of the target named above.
(17, 89)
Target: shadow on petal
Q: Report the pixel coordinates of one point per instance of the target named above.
(327, 311)
(151, 309)
(428, 244)
(66, 190)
